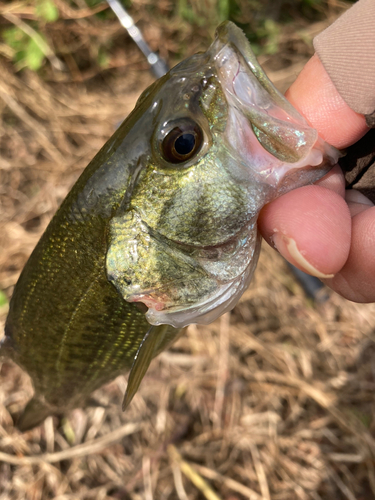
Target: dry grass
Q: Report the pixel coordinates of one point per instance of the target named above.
(274, 401)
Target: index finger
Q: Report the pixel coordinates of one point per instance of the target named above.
(317, 99)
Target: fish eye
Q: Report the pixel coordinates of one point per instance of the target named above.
(182, 142)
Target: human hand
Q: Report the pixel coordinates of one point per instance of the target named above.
(322, 229)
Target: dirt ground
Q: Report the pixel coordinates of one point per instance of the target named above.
(273, 401)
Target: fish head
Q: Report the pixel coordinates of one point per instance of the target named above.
(223, 143)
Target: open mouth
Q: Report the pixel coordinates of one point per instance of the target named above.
(270, 135)
(240, 71)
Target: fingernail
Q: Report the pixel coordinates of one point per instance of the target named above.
(357, 202)
(288, 247)
(355, 196)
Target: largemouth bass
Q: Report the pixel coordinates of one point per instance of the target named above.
(164, 217)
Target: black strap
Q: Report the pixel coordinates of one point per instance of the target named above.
(359, 165)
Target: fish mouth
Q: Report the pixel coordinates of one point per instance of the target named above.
(272, 138)
(236, 61)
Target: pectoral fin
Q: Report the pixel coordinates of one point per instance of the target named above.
(142, 360)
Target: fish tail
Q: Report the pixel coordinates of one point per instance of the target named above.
(33, 415)
(36, 410)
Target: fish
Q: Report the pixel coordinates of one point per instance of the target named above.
(160, 230)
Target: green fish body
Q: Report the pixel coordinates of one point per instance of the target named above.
(163, 217)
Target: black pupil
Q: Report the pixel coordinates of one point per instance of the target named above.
(184, 144)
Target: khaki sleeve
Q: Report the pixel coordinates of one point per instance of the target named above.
(347, 51)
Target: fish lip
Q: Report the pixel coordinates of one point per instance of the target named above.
(227, 33)
(246, 85)
(230, 36)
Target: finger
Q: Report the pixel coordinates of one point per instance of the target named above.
(311, 228)
(334, 180)
(315, 96)
(357, 202)
(357, 278)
